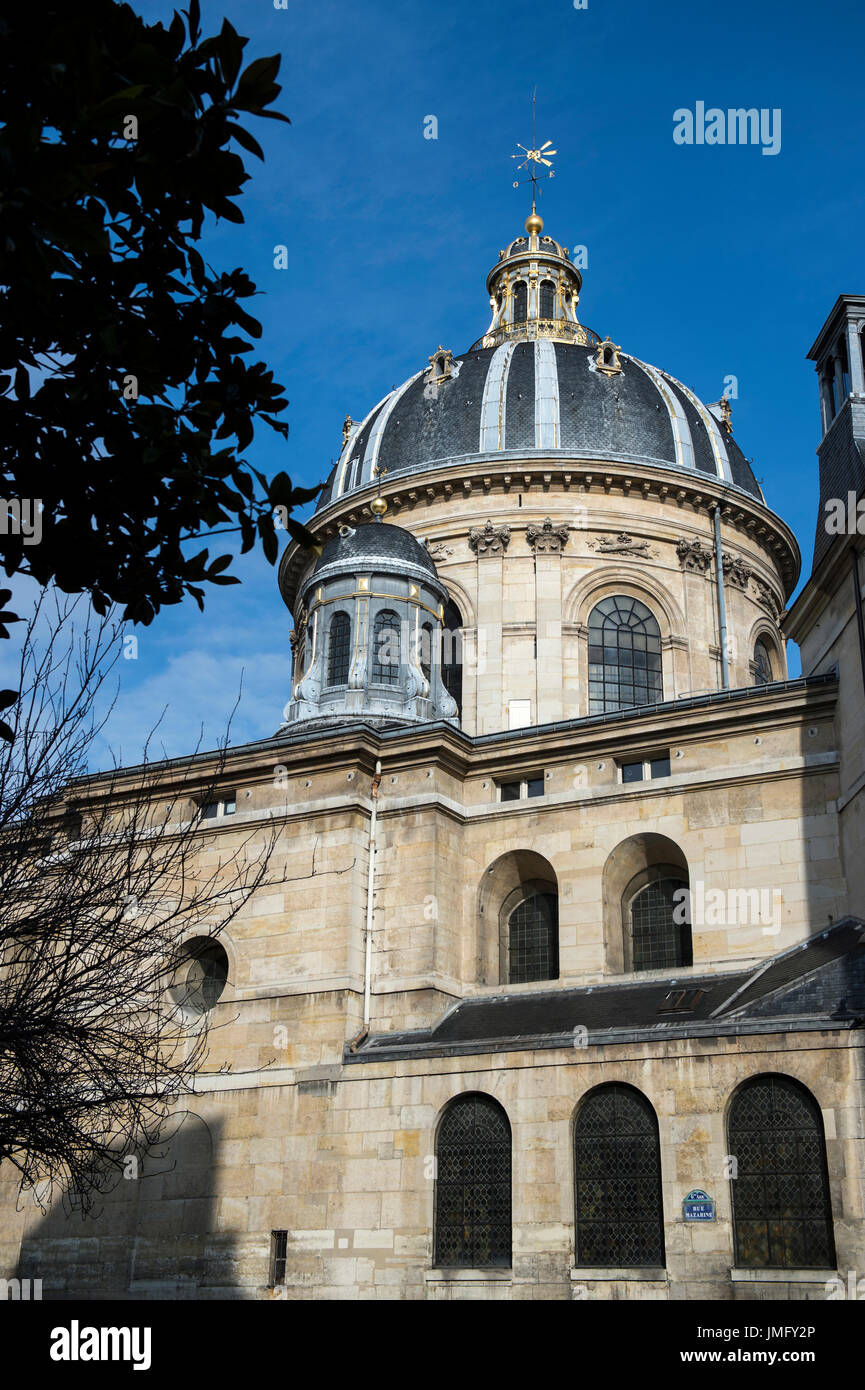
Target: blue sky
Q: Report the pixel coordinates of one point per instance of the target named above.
(708, 261)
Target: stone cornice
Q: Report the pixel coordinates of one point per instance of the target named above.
(479, 476)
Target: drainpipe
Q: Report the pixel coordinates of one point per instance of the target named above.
(722, 602)
(367, 978)
(860, 621)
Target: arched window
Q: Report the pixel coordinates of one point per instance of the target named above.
(617, 1174)
(425, 649)
(473, 1184)
(521, 301)
(338, 647)
(452, 653)
(386, 653)
(782, 1213)
(657, 909)
(548, 299)
(624, 655)
(763, 662)
(533, 939)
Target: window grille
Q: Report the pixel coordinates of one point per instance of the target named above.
(338, 649)
(659, 939)
(533, 944)
(473, 1186)
(624, 655)
(386, 649)
(617, 1168)
(763, 662)
(782, 1212)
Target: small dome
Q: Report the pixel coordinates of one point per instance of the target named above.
(375, 541)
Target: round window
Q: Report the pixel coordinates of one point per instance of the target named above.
(203, 975)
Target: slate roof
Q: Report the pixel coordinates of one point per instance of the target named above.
(806, 983)
(374, 540)
(642, 414)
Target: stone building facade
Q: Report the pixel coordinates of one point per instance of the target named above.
(560, 994)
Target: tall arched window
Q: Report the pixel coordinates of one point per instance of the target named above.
(624, 655)
(533, 939)
(658, 918)
(548, 299)
(473, 1184)
(452, 653)
(386, 649)
(425, 649)
(617, 1172)
(782, 1212)
(763, 662)
(521, 301)
(338, 649)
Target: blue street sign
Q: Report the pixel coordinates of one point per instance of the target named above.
(698, 1206)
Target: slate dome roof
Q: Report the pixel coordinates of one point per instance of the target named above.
(375, 541)
(539, 397)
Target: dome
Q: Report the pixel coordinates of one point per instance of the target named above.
(539, 397)
(365, 546)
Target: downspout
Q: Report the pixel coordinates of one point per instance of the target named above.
(370, 884)
(722, 603)
(367, 975)
(860, 620)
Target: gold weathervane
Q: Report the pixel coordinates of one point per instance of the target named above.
(535, 156)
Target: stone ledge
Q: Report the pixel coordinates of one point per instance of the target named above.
(782, 1276)
(656, 1275)
(470, 1276)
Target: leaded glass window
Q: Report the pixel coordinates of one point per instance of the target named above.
(473, 1186)
(763, 662)
(521, 301)
(386, 649)
(548, 299)
(617, 1168)
(782, 1212)
(624, 655)
(660, 924)
(533, 939)
(338, 646)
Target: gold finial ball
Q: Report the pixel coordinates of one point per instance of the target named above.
(378, 507)
(534, 224)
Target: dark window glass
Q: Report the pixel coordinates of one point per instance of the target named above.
(386, 649)
(452, 653)
(763, 662)
(659, 938)
(473, 1185)
(206, 974)
(625, 649)
(548, 299)
(425, 642)
(510, 791)
(533, 940)
(632, 772)
(617, 1169)
(338, 649)
(278, 1255)
(782, 1213)
(535, 786)
(210, 811)
(660, 767)
(521, 300)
